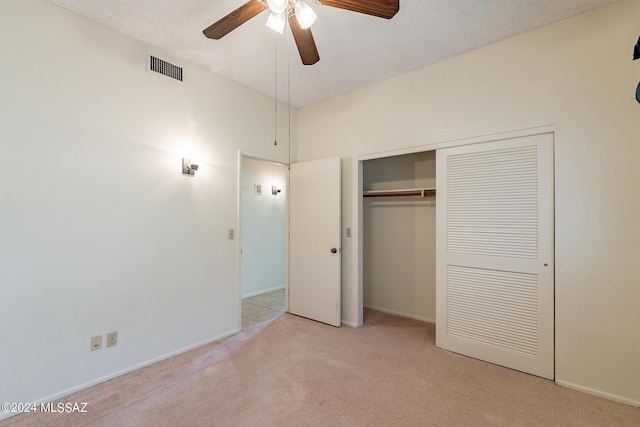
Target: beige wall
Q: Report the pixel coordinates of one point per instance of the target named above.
(99, 229)
(579, 77)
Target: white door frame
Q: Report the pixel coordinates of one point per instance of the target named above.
(238, 233)
(357, 188)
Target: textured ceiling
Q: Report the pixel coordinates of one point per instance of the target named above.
(355, 49)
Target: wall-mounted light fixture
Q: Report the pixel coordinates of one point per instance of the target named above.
(188, 168)
(275, 190)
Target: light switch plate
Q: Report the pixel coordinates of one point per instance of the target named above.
(112, 338)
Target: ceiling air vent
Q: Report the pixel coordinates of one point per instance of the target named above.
(165, 68)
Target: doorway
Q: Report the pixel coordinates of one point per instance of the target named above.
(263, 222)
(399, 235)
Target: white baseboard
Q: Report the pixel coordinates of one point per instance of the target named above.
(349, 324)
(69, 391)
(599, 393)
(264, 291)
(397, 313)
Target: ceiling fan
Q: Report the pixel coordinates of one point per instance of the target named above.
(300, 16)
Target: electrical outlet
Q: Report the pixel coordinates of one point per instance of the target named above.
(112, 338)
(232, 234)
(96, 342)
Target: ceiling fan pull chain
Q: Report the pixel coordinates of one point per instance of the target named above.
(275, 90)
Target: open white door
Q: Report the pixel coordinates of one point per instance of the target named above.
(314, 248)
(495, 261)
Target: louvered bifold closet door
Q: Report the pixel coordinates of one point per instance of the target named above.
(494, 268)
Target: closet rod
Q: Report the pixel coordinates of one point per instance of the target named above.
(413, 192)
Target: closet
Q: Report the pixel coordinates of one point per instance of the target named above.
(399, 239)
(493, 278)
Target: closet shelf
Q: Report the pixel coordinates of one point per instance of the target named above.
(409, 192)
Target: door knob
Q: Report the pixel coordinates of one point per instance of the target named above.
(334, 251)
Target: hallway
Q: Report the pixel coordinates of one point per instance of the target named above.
(262, 308)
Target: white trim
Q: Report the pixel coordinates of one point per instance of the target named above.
(458, 142)
(239, 237)
(349, 324)
(598, 393)
(263, 157)
(358, 208)
(397, 313)
(84, 386)
(265, 291)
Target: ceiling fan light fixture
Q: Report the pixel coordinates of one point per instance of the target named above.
(277, 6)
(304, 14)
(276, 22)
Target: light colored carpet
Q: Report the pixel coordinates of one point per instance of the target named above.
(296, 372)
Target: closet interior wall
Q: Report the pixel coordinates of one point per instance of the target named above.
(400, 237)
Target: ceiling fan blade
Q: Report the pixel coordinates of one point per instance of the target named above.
(233, 20)
(380, 8)
(304, 41)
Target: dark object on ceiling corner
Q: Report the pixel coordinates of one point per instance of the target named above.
(636, 55)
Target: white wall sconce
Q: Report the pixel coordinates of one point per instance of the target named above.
(189, 168)
(275, 190)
